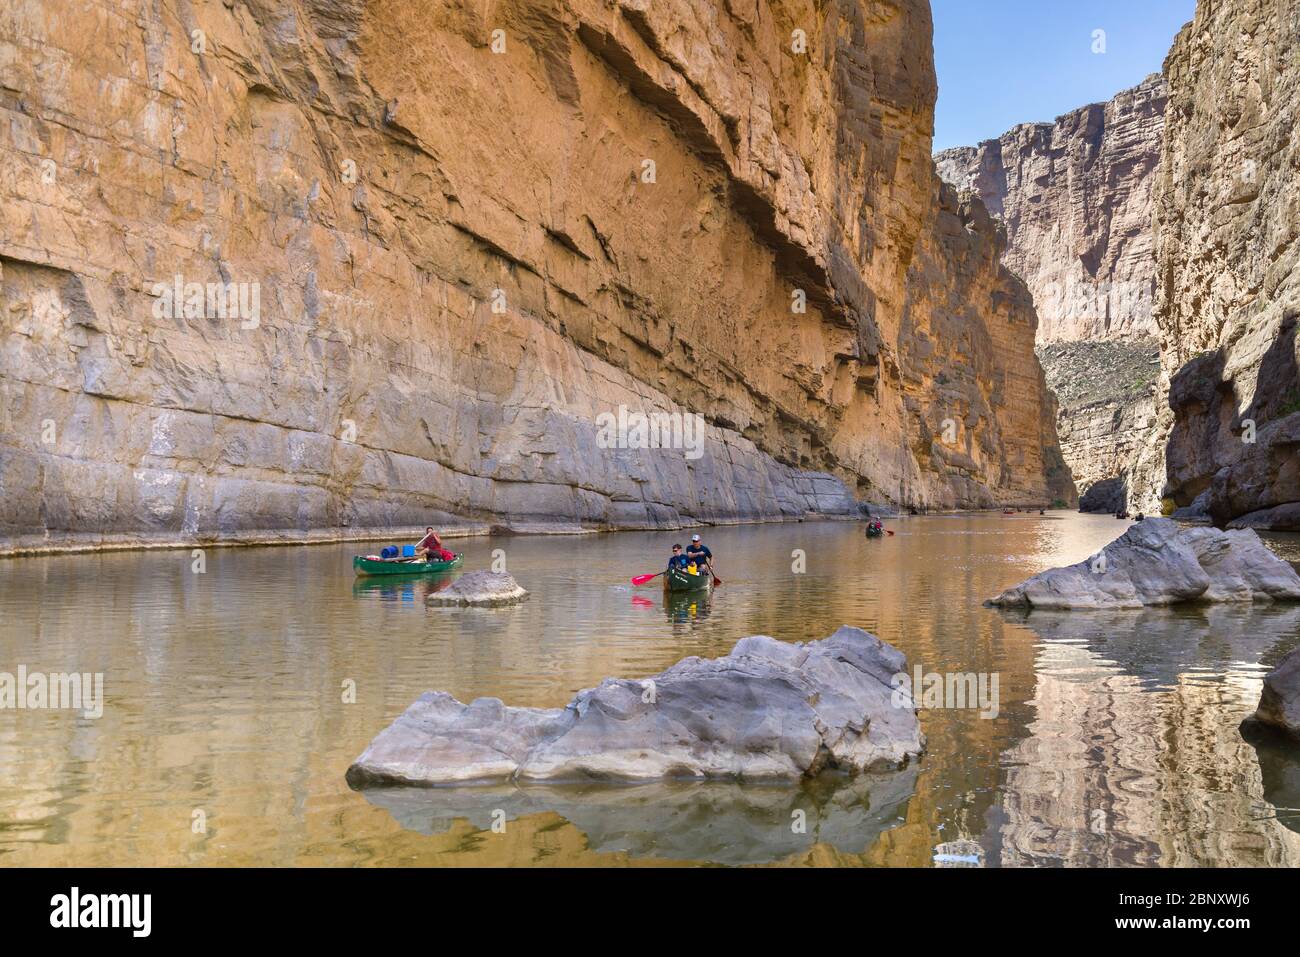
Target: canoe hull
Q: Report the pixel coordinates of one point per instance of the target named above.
(367, 567)
(677, 581)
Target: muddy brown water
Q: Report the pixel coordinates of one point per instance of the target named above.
(225, 734)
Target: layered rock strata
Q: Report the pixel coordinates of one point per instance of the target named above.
(296, 268)
(1227, 217)
(1075, 196)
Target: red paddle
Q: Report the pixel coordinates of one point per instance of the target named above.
(642, 579)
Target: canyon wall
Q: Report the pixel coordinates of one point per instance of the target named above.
(1226, 219)
(459, 236)
(1075, 196)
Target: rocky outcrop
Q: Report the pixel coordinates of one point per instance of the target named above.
(480, 588)
(1279, 702)
(1227, 216)
(1156, 562)
(317, 267)
(1106, 391)
(1075, 196)
(766, 710)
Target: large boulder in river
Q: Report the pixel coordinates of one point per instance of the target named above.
(1279, 703)
(488, 589)
(1159, 562)
(767, 710)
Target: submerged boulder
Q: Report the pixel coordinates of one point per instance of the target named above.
(766, 710)
(1279, 702)
(480, 588)
(1159, 562)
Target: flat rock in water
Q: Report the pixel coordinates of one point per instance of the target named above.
(1279, 702)
(480, 588)
(1159, 562)
(768, 710)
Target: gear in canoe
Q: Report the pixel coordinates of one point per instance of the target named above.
(375, 565)
(692, 571)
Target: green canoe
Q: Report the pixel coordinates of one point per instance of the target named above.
(417, 566)
(675, 581)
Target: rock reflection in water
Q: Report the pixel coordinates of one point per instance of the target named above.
(1135, 728)
(411, 590)
(1279, 767)
(706, 822)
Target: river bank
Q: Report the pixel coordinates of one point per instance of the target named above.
(29, 546)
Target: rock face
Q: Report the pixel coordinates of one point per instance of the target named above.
(766, 710)
(1075, 196)
(488, 589)
(1107, 396)
(1226, 218)
(1279, 702)
(1156, 562)
(422, 255)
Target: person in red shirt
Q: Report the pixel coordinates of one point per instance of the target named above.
(431, 547)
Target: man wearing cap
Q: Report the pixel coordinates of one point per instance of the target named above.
(699, 553)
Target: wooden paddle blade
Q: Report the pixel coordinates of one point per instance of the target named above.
(642, 579)
(889, 533)
(716, 581)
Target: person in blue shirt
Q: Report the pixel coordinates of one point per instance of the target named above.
(699, 553)
(678, 560)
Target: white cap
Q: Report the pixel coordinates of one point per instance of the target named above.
(695, 538)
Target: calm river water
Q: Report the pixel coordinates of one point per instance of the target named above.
(225, 735)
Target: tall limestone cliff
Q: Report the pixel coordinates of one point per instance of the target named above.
(1226, 219)
(460, 237)
(1076, 198)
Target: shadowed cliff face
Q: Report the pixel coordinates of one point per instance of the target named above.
(456, 239)
(1227, 218)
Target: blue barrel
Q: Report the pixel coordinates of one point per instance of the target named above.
(408, 551)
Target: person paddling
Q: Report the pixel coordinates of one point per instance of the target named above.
(699, 553)
(678, 560)
(431, 547)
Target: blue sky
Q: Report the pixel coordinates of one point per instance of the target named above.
(1003, 62)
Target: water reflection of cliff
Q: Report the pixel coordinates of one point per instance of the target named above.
(1134, 756)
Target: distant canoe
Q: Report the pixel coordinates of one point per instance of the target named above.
(676, 581)
(418, 566)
